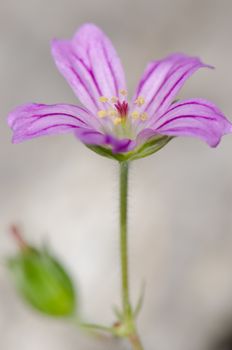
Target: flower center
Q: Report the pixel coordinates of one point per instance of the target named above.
(116, 111)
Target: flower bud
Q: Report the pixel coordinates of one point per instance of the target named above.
(42, 281)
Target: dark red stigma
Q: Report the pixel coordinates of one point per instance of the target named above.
(122, 108)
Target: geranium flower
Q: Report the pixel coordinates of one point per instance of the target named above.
(107, 122)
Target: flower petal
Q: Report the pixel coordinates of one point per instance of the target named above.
(163, 79)
(93, 137)
(90, 64)
(33, 120)
(196, 117)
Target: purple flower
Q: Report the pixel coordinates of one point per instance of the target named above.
(108, 122)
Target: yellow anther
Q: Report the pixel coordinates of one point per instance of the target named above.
(112, 112)
(123, 92)
(114, 99)
(117, 121)
(102, 113)
(135, 115)
(103, 99)
(139, 101)
(143, 116)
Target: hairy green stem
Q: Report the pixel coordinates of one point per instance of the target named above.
(125, 327)
(128, 315)
(124, 166)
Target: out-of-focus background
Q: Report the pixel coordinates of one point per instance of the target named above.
(58, 191)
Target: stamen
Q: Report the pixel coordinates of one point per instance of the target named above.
(123, 92)
(139, 101)
(102, 113)
(112, 112)
(117, 121)
(103, 99)
(143, 116)
(114, 99)
(135, 115)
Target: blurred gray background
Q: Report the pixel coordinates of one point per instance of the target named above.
(57, 190)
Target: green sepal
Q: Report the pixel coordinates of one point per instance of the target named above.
(153, 145)
(43, 283)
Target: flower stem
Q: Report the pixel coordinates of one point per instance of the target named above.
(124, 166)
(128, 322)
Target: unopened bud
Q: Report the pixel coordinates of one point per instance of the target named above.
(41, 280)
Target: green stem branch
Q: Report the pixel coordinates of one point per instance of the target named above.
(96, 327)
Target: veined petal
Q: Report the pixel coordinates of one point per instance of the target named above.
(90, 64)
(196, 117)
(33, 120)
(162, 81)
(96, 138)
